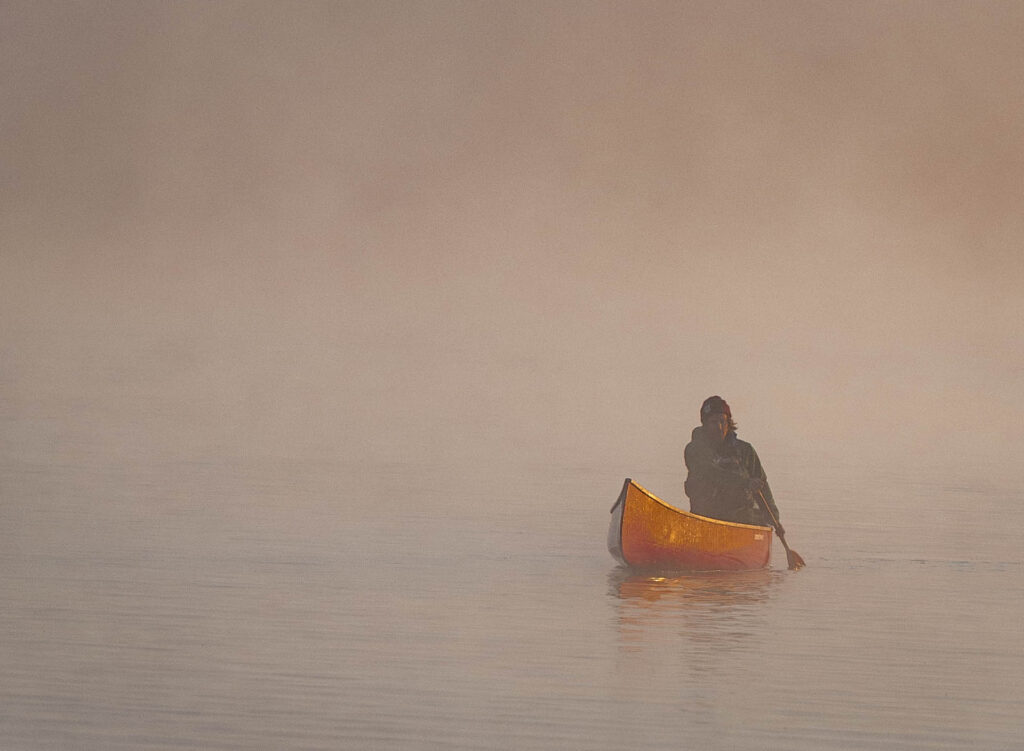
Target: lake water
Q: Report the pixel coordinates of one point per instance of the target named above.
(286, 605)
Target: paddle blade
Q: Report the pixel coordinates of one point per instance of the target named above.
(795, 561)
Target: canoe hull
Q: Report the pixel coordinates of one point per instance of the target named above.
(646, 532)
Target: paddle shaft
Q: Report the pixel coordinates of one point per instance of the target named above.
(775, 523)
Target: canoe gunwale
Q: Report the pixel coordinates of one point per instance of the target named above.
(677, 510)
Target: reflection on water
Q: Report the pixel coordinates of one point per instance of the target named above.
(665, 592)
(704, 608)
(698, 638)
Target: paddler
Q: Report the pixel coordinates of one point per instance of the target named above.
(725, 475)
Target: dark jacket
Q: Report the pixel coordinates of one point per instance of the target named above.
(717, 480)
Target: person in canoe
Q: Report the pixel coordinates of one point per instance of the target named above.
(724, 475)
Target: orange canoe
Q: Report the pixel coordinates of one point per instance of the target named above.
(646, 532)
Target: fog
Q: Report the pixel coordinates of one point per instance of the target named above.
(493, 233)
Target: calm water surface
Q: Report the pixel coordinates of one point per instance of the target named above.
(240, 605)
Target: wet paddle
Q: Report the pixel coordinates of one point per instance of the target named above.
(792, 557)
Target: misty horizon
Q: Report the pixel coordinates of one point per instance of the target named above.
(467, 232)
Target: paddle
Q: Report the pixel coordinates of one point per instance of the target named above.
(793, 557)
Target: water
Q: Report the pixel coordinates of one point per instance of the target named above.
(279, 604)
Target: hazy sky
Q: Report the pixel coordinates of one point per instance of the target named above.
(441, 231)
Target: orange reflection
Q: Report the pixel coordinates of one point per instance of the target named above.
(708, 587)
(709, 607)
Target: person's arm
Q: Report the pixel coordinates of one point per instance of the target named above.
(757, 472)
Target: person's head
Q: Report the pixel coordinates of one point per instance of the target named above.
(716, 417)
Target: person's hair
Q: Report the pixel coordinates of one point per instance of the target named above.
(732, 423)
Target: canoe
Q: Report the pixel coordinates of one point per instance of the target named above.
(646, 532)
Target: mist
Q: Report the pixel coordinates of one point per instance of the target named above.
(493, 233)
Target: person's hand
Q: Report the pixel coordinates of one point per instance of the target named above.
(755, 485)
(781, 530)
